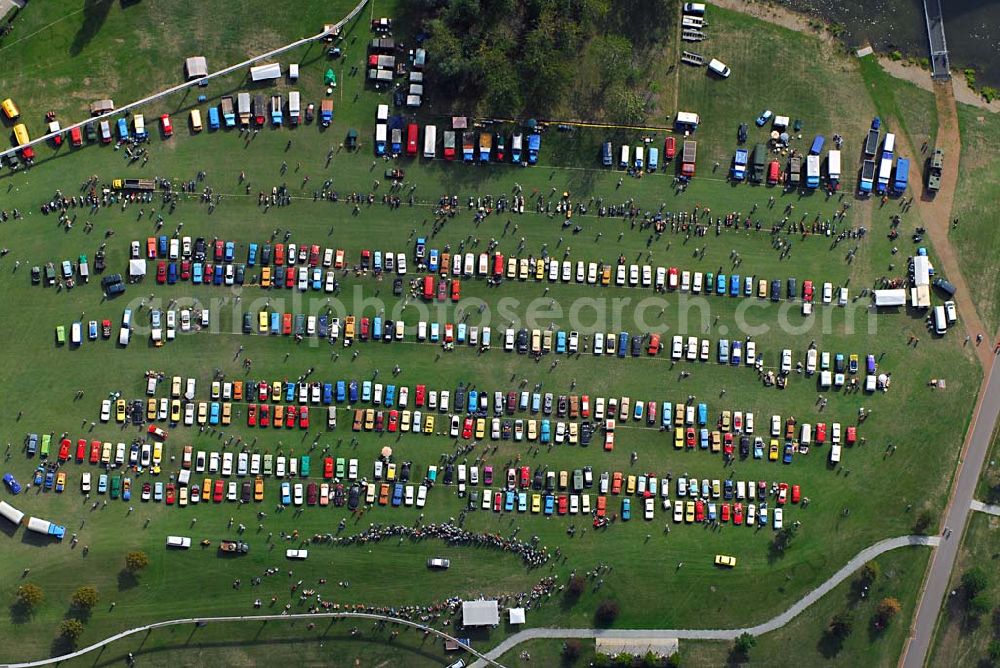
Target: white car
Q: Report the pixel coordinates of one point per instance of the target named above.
(598, 343)
(297, 554)
(661, 278)
(567, 271)
(705, 351)
(213, 462)
(85, 482)
(692, 348)
(835, 433)
(456, 423)
(648, 512)
(647, 276)
(775, 426)
(778, 518)
(827, 293)
(581, 274)
(620, 275)
(592, 273)
(227, 465)
(633, 275)
(297, 494)
(685, 281)
(574, 342)
(421, 496)
(105, 410)
(696, 286)
(786, 361)
(189, 414)
(842, 300)
(508, 340)
(751, 352)
(677, 347)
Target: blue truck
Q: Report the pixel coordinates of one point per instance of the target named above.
(534, 143)
(902, 175)
(739, 170)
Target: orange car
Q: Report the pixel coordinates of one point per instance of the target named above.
(602, 506)
(383, 494)
(616, 483)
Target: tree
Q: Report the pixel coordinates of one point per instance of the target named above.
(887, 609)
(85, 597)
(576, 586)
(974, 581)
(607, 611)
(571, 650)
(30, 595)
(842, 624)
(744, 643)
(994, 650)
(978, 605)
(136, 561)
(924, 521)
(870, 573)
(71, 629)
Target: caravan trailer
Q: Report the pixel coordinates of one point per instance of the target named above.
(430, 142)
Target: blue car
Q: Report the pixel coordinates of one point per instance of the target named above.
(546, 432)
(50, 478)
(397, 494)
(702, 414)
(252, 255)
(286, 493)
(171, 273)
(354, 391)
(711, 512)
(390, 396)
(622, 344)
(460, 332)
(217, 279)
(127, 491)
(703, 438)
(536, 402)
(230, 251)
(377, 327)
(122, 129)
(626, 509)
(637, 411)
(366, 391)
(214, 412)
(561, 342)
(275, 322)
(12, 484)
(508, 502)
(327, 393)
(748, 286)
(762, 514)
(723, 351)
(734, 285)
(758, 448)
(289, 392)
(161, 244)
(550, 503)
(473, 401)
(720, 284)
(666, 414)
(736, 354)
(341, 391)
(432, 261)
(787, 458)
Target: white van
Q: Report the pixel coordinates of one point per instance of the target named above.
(719, 68)
(835, 453)
(151, 385)
(695, 8)
(940, 320)
(383, 113)
(805, 434)
(951, 312)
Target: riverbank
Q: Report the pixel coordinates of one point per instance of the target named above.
(897, 68)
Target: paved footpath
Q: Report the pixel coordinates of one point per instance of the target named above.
(985, 507)
(772, 624)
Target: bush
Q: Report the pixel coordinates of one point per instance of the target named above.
(924, 521)
(887, 609)
(842, 624)
(71, 629)
(607, 612)
(994, 650)
(870, 572)
(895, 55)
(136, 561)
(571, 650)
(989, 93)
(30, 595)
(85, 597)
(744, 643)
(974, 581)
(978, 605)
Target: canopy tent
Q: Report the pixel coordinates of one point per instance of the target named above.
(136, 269)
(265, 72)
(480, 613)
(896, 297)
(517, 615)
(196, 67)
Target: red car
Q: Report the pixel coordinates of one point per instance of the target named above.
(151, 248)
(220, 250)
(497, 501)
(363, 333)
(796, 493)
(265, 415)
(304, 417)
(64, 446)
(290, 414)
(456, 290)
(279, 254)
(313, 255)
(467, 428)
(690, 437)
(290, 278)
(821, 433)
(727, 444)
(379, 421)
(95, 452)
(312, 494)
(670, 148)
(525, 477)
(81, 449)
(654, 344)
(807, 290)
(264, 390)
(328, 468)
(170, 493)
(286, 324)
(563, 504)
(161, 272)
(217, 491)
(699, 511)
(672, 278)
(738, 513)
(168, 128)
(420, 395)
(782, 493)
(252, 415)
(393, 421)
(852, 435)
(185, 270)
(725, 512)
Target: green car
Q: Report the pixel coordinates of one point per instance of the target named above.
(340, 467)
(304, 466)
(116, 486)
(60, 334)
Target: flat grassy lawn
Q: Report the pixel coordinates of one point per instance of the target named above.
(975, 208)
(805, 640)
(925, 425)
(960, 634)
(901, 104)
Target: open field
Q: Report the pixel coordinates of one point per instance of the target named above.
(851, 505)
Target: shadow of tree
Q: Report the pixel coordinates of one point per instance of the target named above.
(126, 579)
(830, 644)
(95, 12)
(20, 613)
(61, 645)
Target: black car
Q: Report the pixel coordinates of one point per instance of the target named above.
(538, 480)
(99, 261)
(636, 345)
(474, 500)
(460, 398)
(562, 406)
(404, 472)
(586, 433)
(310, 112)
(199, 249)
(247, 323)
(775, 290)
(240, 274)
(449, 473)
(247, 492)
(265, 255)
(90, 131)
(507, 430)
(338, 495)
(138, 411)
(279, 277)
(398, 98)
(741, 133)
(397, 287)
(36, 275)
(522, 341)
(744, 446)
(791, 293)
(353, 497)
(547, 404)
(388, 330)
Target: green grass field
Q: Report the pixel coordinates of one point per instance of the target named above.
(42, 378)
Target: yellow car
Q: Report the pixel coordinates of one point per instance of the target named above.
(106, 453)
(512, 267)
(175, 387)
(679, 437)
(481, 428)
(606, 275)
(227, 413)
(772, 452)
(429, 424)
(532, 429)
(150, 409)
(762, 289)
(405, 420)
(276, 391)
(630, 484)
(539, 269)
(258, 489)
(725, 560)
(689, 512)
(522, 269)
(563, 479)
(727, 419)
(262, 322)
(390, 472)
(120, 410)
(716, 441)
(265, 277)
(536, 503)
(61, 481)
(202, 412)
(175, 410)
(369, 419)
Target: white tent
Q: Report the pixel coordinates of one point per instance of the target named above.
(890, 297)
(196, 67)
(920, 296)
(921, 270)
(517, 615)
(136, 269)
(265, 72)
(480, 613)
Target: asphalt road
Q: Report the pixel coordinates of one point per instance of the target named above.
(772, 624)
(943, 560)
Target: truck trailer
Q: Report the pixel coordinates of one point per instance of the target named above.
(689, 155)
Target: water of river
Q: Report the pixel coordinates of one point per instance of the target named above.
(972, 28)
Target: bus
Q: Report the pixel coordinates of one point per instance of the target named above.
(412, 130)
(196, 120)
(10, 109)
(21, 138)
(430, 142)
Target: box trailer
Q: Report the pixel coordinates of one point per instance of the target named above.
(326, 113)
(140, 127)
(485, 146)
(833, 167)
(395, 140)
(277, 115)
(794, 170)
(623, 160)
(606, 159)
(640, 155)
(653, 159)
(687, 121)
(11, 513)
(867, 181)
(817, 145)
(430, 142)
(812, 171)
(412, 136)
(243, 108)
(759, 159)
(294, 107)
(516, 147)
(468, 146)
(214, 121)
(689, 155)
(934, 173)
(884, 172)
(902, 176)
(381, 130)
(740, 161)
(871, 142)
(228, 117)
(889, 145)
(48, 528)
(133, 184)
